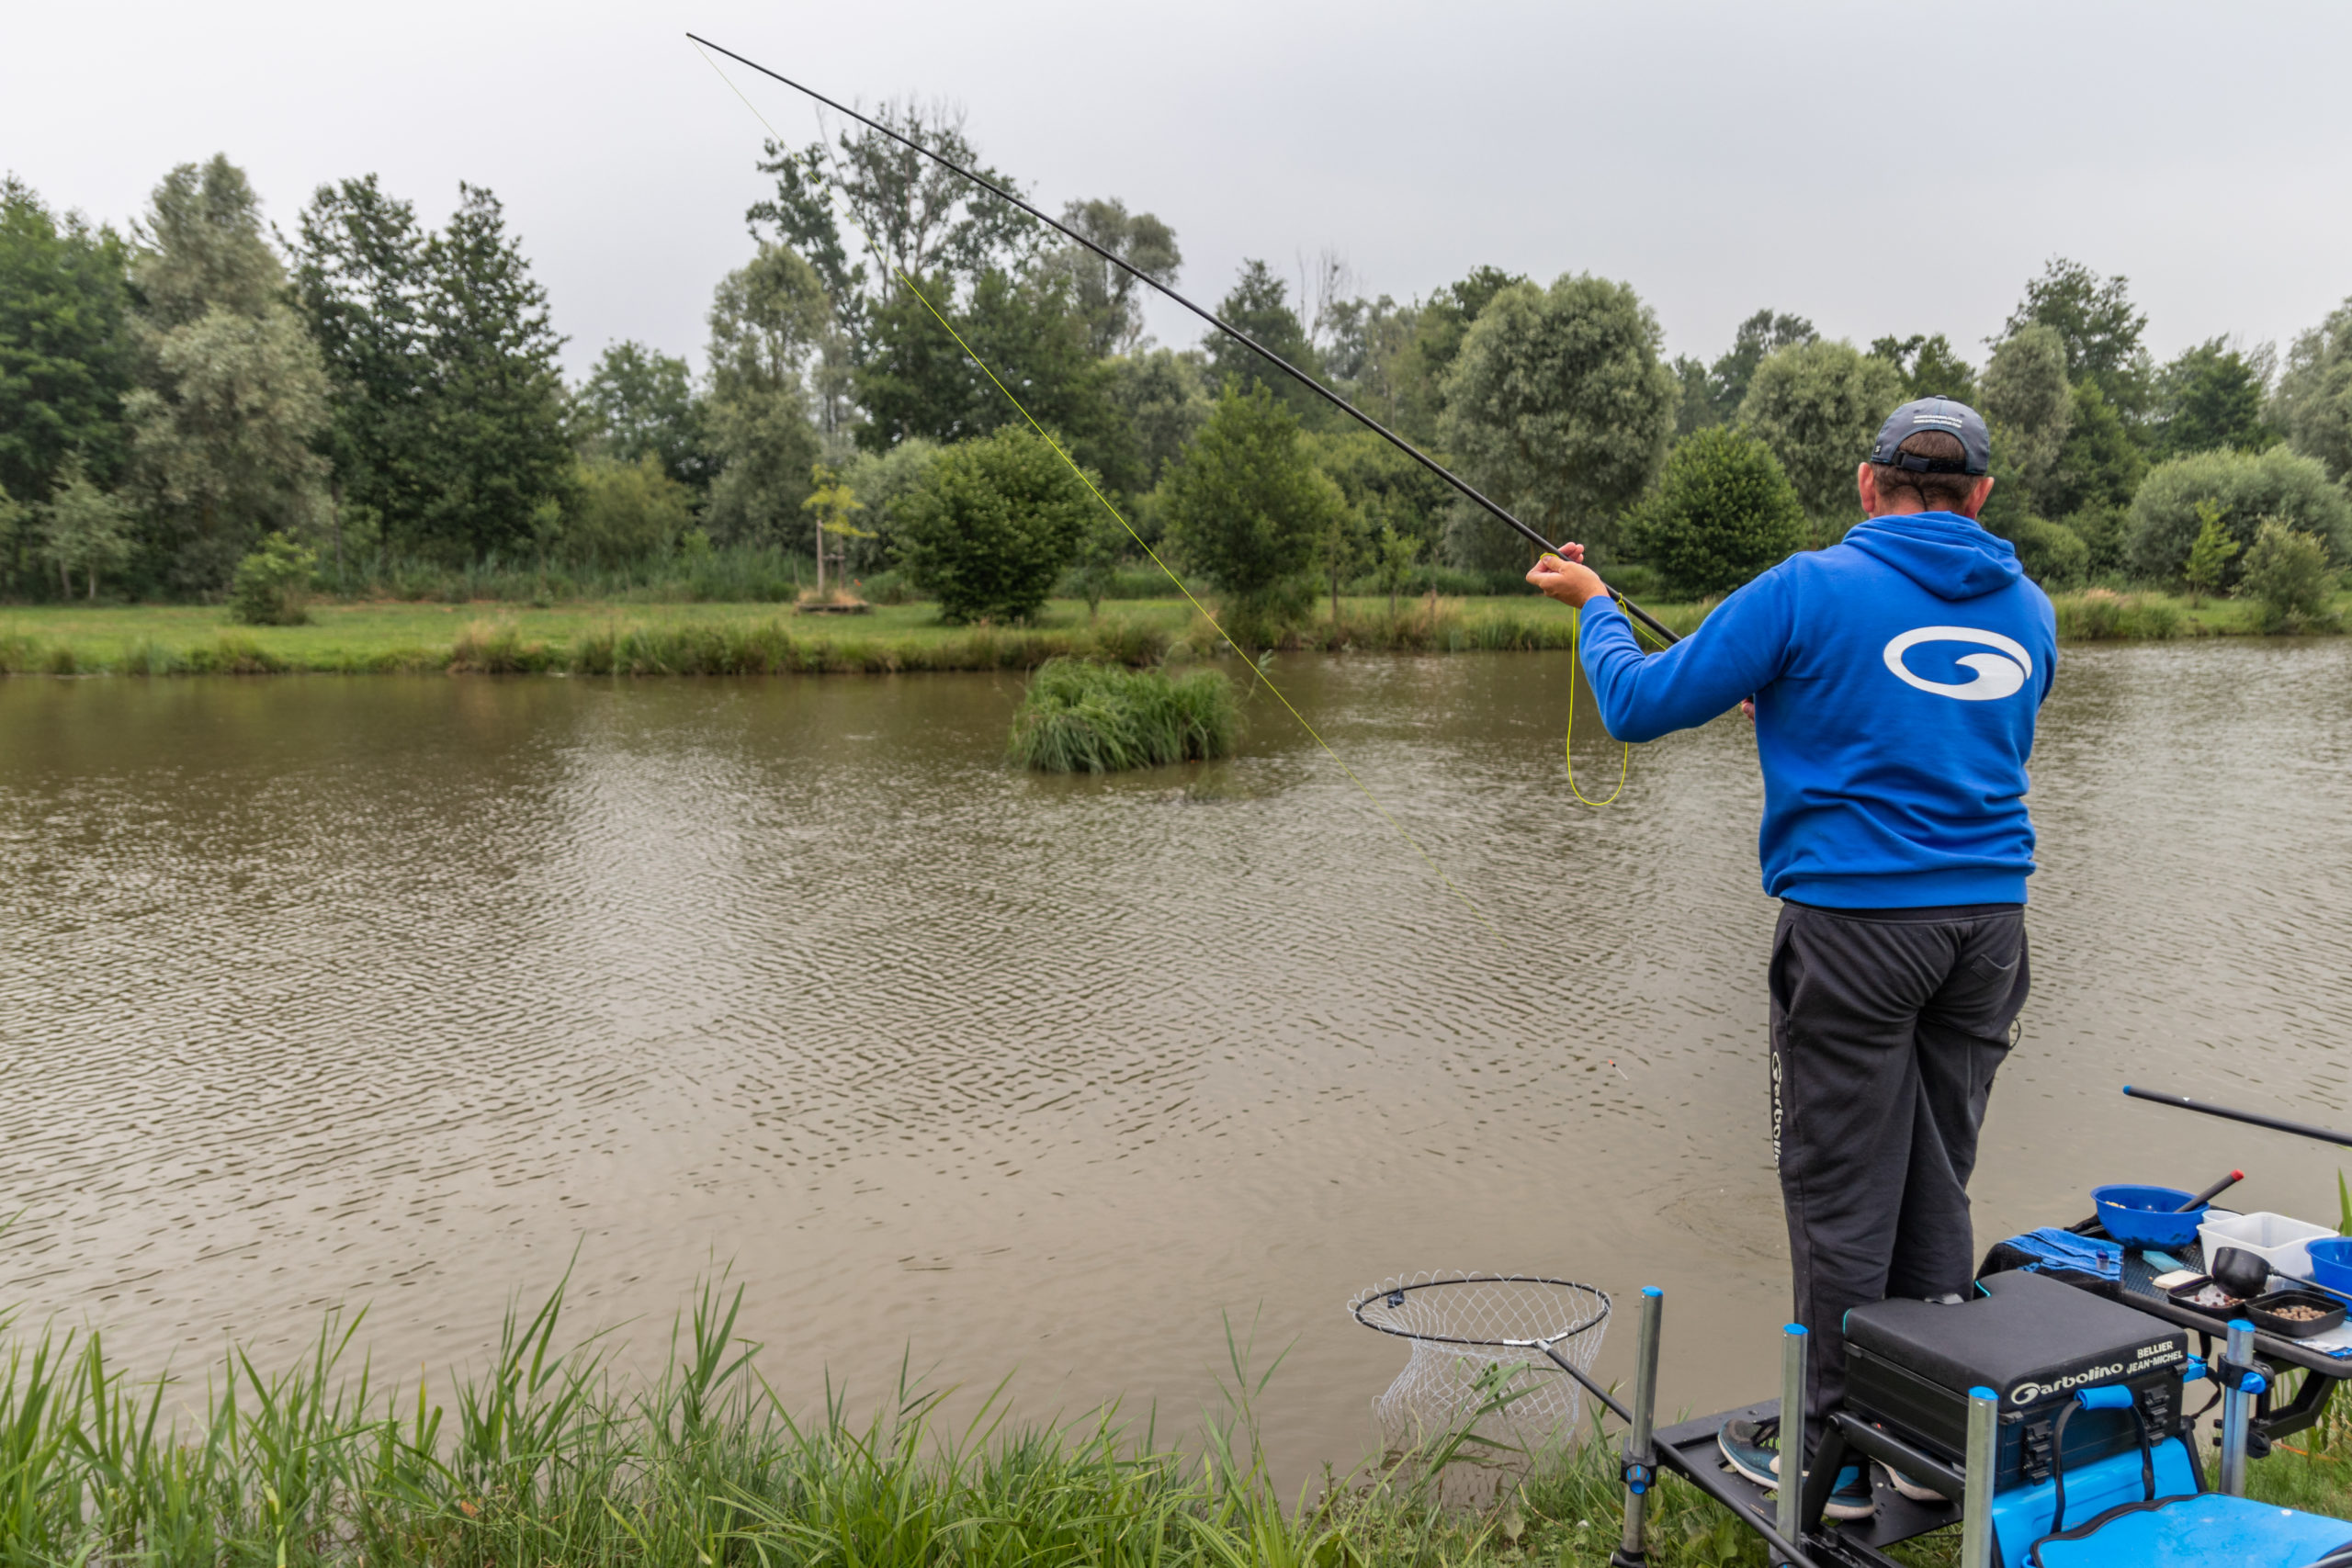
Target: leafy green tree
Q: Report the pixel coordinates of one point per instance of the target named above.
(916, 219)
(1394, 556)
(618, 513)
(84, 529)
(2211, 396)
(17, 534)
(1260, 306)
(361, 282)
(1110, 300)
(2247, 488)
(272, 584)
(641, 403)
(1245, 506)
(1407, 357)
(2289, 575)
(916, 380)
(997, 522)
(1725, 388)
(1382, 485)
(1558, 406)
(1930, 367)
(1163, 399)
(1819, 405)
(1722, 512)
(882, 480)
(1339, 545)
(231, 389)
(2099, 328)
(767, 320)
(2099, 465)
(1101, 550)
(65, 347)
(2030, 404)
(2210, 554)
(500, 456)
(2313, 402)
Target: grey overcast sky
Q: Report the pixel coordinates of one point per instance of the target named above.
(1880, 168)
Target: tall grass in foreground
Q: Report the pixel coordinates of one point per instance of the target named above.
(1079, 717)
(548, 1459)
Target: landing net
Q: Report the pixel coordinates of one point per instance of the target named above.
(1477, 1356)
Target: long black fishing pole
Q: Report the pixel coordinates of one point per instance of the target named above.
(1470, 491)
(2252, 1117)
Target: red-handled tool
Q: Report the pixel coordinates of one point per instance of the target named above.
(2213, 1193)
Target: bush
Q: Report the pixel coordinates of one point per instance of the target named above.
(2052, 554)
(271, 584)
(1083, 717)
(1244, 505)
(2287, 574)
(2245, 489)
(995, 523)
(622, 512)
(1722, 510)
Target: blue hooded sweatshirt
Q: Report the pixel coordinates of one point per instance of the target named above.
(1896, 678)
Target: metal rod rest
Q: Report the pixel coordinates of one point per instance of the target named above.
(1976, 1499)
(1791, 1463)
(2237, 1404)
(1641, 1456)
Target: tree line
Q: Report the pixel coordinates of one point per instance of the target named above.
(372, 394)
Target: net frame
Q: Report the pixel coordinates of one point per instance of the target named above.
(1463, 1325)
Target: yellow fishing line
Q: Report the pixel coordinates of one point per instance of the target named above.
(1312, 733)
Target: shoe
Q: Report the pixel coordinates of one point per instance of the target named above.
(1752, 1449)
(1910, 1488)
(1851, 1498)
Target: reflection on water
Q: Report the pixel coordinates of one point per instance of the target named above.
(401, 990)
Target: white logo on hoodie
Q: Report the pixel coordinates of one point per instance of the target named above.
(1995, 675)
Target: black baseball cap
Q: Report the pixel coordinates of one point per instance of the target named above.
(1934, 413)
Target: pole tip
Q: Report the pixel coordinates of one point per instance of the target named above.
(2237, 1175)
(1652, 1291)
(1981, 1391)
(2127, 1089)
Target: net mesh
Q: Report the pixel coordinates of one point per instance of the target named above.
(1464, 1368)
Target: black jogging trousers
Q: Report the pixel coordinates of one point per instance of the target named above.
(1887, 1028)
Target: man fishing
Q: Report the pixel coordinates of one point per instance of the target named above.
(1894, 679)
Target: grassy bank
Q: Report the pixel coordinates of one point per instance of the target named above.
(547, 1460)
(752, 638)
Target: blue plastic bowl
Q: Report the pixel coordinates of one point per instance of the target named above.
(2144, 1216)
(2331, 1259)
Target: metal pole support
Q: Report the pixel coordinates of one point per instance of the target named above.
(1792, 1461)
(2239, 1384)
(1641, 1455)
(1976, 1501)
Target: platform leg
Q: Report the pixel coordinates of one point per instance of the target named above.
(1641, 1453)
(2236, 1406)
(1976, 1504)
(1791, 1488)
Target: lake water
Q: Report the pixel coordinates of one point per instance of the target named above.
(407, 991)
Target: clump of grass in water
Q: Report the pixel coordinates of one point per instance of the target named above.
(1083, 717)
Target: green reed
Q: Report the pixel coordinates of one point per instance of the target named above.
(548, 1459)
(1081, 716)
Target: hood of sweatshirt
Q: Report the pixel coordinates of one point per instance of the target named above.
(1943, 552)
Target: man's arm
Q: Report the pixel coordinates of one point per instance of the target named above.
(1738, 651)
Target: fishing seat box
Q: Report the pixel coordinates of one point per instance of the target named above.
(1909, 1365)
